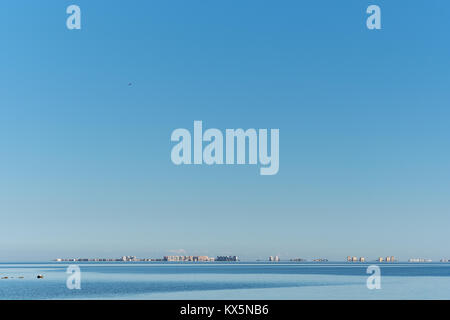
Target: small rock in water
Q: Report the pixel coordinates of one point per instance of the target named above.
(4, 277)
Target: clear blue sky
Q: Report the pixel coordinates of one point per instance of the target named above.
(363, 115)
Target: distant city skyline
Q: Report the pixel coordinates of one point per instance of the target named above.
(191, 258)
(364, 145)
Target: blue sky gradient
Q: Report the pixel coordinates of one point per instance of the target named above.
(363, 115)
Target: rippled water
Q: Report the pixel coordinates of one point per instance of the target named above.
(225, 281)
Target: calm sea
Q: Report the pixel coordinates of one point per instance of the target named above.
(225, 281)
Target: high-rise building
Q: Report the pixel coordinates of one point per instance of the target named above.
(227, 258)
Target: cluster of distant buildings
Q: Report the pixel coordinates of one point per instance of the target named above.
(362, 259)
(227, 258)
(230, 259)
(355, 259)
(274, 259)
(387, 259)
(188, 259)
(391, 259)
(165, 258)
(304, 260)
(200, 258)
(124, 258)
